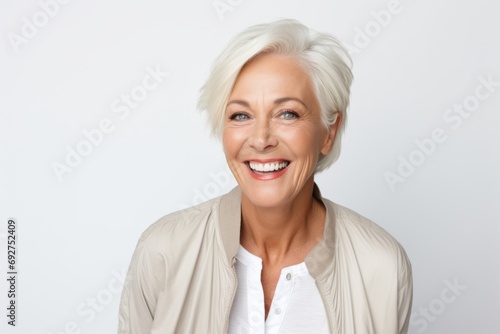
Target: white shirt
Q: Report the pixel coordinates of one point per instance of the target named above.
(296, 307)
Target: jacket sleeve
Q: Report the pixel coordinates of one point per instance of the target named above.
(140, 291)
(405, 294)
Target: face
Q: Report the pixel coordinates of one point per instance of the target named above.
(273, 134)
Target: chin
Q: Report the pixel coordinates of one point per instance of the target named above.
(266, 195)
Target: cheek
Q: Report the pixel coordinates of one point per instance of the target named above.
(226, 142)
(232, 140)
(303, 141)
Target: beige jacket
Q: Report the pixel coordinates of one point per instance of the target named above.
(182, 278)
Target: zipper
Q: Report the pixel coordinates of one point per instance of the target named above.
(226, 326)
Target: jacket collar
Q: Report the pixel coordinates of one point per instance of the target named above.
(230, 221)
(321, 256)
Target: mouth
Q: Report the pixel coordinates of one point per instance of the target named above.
(264, 168)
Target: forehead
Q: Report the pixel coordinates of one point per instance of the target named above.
(274, 76)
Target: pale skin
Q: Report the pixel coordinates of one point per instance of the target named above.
(273, 115)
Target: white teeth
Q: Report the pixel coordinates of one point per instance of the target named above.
(268, 167)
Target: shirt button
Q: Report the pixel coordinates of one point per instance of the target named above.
(277, 310)
(288, 276)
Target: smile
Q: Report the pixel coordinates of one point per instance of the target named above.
(268, 166)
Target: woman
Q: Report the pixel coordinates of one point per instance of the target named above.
(272, 255)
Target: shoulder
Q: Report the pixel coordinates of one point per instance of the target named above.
(367, 241)
(177, 230)
(350, 223)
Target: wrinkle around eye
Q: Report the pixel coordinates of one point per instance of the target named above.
(239, 116)
(293, 114)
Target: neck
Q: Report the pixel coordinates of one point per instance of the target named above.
(286, 233)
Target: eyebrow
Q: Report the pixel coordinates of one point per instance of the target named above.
(276, 102)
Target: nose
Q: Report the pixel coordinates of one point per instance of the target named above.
(262, 137)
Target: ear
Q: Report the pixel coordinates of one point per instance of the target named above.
(331, 134)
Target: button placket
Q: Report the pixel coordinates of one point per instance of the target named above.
(285, 296)
(280, 302)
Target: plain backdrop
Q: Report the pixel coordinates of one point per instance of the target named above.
(84, 171)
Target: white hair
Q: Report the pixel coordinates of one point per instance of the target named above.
(324, 58)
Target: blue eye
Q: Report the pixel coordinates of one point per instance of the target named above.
(289, 114)
(238, 117)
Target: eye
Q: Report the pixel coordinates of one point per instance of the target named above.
(289, 114)
(239, 117)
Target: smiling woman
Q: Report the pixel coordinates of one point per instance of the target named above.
(272, 255)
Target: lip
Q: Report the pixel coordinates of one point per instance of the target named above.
(269, 175)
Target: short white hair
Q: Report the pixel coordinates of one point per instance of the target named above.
(325, 59)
